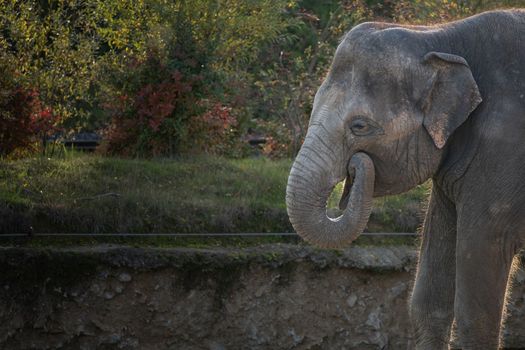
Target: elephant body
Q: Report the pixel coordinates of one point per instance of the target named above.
(400, 105)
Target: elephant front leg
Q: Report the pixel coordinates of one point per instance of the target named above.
(432, 304)
(484, 259)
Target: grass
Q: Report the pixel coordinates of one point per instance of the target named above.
(88, 193)
(207, 242)
(94, 194)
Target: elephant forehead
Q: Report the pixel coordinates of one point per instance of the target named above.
(364, 92)
(386, 52)
(363, 76)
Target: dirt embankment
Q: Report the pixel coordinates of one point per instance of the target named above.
(271, 297)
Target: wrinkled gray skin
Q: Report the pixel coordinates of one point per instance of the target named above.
(402, 104)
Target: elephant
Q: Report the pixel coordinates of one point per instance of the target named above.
(402, 104)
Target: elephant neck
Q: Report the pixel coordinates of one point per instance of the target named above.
(458, 155)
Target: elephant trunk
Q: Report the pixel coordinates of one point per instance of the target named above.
(307, 194)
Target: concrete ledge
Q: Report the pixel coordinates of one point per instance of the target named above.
(269, 297)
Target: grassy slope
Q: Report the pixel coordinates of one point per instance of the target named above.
(93, 194)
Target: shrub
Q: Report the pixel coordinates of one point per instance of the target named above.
(150, 116)
(278, 139)
(215, 131)
(24, 119)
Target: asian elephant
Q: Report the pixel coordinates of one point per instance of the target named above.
(402, 104)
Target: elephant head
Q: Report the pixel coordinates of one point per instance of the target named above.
(381, 120)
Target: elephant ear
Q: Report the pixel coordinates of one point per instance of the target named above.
(450, 96)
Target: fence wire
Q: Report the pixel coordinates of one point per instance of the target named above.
(181, 235)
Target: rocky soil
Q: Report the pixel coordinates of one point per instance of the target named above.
(270, 297)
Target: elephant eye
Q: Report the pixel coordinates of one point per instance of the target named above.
(362, 126)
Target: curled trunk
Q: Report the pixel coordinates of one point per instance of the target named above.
(309, 186)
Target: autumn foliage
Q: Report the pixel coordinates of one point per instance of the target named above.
(167, 116)
(24, 120)
(214, 131)
(149, 117)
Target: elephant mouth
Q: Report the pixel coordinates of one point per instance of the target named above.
(345, 196)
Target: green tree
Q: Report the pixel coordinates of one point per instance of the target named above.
(59, 45)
